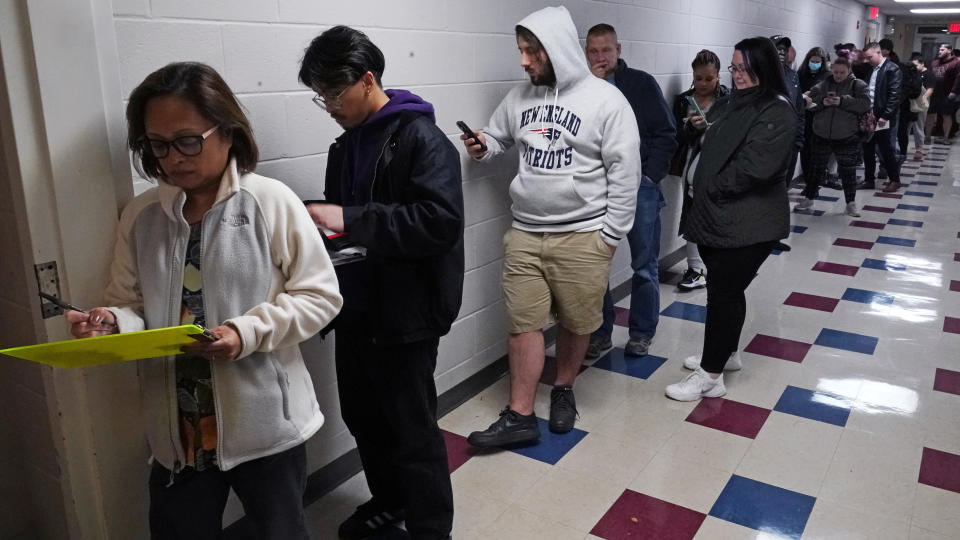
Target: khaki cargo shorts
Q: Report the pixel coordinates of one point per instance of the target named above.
(555, 274)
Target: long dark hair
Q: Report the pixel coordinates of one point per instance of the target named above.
(340, 57)
(202, 86)
(805, 67)
(763, 64)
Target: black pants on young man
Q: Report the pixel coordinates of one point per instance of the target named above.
(731, 270)
(388, 400)
(270, 488)
(880, 144)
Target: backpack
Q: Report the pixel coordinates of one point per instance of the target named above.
(912, 81)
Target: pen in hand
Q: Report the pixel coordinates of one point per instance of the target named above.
(65, 306)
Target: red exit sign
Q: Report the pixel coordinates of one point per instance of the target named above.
(874, 12)
(954, 28)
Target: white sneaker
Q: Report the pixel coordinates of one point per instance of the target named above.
(696, 385)
(804, 206)
(852, 209)
(734, 363)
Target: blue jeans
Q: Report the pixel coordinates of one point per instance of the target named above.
(644, 239)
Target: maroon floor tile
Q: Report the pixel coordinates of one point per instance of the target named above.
(642, 517)
(784, 349)
(459, 450)
(947, 381)
(888, 195)
(956, 257)
(729, 416)
(884, 209)
(940, 470)
(849, 242)
(834, 268)
(867, 224)
(812, 301)
(951, 324)
(954, 285)
(621, 316)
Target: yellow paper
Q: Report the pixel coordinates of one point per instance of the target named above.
(74, 353)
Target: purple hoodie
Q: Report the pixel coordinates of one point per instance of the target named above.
(362, 142)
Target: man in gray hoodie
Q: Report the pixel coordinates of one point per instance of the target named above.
(573, 201)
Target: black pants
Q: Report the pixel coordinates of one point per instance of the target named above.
(848, 156)
(388, 400)
(880, 144)
(731, 270)
(806, 155)
(270, 488)
(791, 168)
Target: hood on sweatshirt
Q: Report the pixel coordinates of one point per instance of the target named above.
(554, 27)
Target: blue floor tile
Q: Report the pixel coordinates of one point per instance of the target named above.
(683, 310)
(931, 166)
(904, 222)
(814, 405)
(799, 229)
(763, 507)
(552, 446)
(847, 341)
(922, 173)
(877, 264)
(924, 183)
(866, 297)
(914, 207)
(894, 241)
(775, 252)
(641, 367)
(828, 198)
(919, 193)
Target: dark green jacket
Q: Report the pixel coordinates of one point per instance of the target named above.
(739, 189)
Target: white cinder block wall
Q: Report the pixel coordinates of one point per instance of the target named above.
(461, 56)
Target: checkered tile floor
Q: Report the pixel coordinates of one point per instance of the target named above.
(844, 422)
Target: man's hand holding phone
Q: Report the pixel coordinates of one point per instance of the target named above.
(473, 141)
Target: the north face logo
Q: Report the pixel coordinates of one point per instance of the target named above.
(236, 220)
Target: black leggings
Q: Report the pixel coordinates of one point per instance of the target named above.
(731, 270)
(848, 157)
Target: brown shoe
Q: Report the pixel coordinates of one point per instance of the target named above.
(891, 187)
(918, 156)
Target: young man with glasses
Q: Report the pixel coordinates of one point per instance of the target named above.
(393, 186)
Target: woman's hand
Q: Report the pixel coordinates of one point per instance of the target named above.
(96, 322)
(698, 122)
(227, 346)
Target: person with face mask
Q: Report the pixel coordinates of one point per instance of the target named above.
(812, 70)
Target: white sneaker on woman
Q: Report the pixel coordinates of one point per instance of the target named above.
(696, 385)
(851, 209)
(734, 363)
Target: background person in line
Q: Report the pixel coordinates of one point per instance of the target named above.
(706, 89)
(657, 144)
(885, 93)
(943, 103)
(740, 208)
(921, 106)
(215, 244)
(393, 186)
(812, 70)
(574, 198)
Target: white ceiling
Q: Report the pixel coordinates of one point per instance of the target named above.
(902, 11)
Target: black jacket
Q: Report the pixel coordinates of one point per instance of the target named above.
(739, 191)
(657, 130)
(887, 92)
(799, 105)
(841, 122)
(687, 135)
(412, 228)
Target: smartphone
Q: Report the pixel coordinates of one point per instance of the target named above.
(693, 101)
(831, 94)
(469, 133)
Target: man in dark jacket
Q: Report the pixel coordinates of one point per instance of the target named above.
(790, 76)
(885, 90)
(393, 187)
(657, 144)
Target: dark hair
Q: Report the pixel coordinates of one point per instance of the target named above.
(706, 58)
(871, 45)
(916, 56)
(601, 29)
(947, 46)
(203, 87)
(843, 61)
(525, 34)
(886, 44)
(816, 51)
(762, 61)
(339, 57)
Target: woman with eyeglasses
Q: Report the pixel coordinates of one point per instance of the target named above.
(217, 245)
(740, 209)
(705, 90)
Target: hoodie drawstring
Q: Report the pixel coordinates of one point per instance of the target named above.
(556, 95)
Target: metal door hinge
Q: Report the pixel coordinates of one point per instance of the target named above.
(48, 281)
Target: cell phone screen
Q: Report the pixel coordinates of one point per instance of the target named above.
(693, 102)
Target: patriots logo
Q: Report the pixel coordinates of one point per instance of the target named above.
(550, 134)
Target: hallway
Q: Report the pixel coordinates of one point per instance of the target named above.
(843, 422)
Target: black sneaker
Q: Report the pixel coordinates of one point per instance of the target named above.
(512, 428)
(597, 346)
(368, 519)
(866, 185)
(882, 173)
(692, 279)
(563, 409)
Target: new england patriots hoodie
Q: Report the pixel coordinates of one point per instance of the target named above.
(578, 142)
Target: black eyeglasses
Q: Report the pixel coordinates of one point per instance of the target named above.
(736, 69)
(189, 145)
